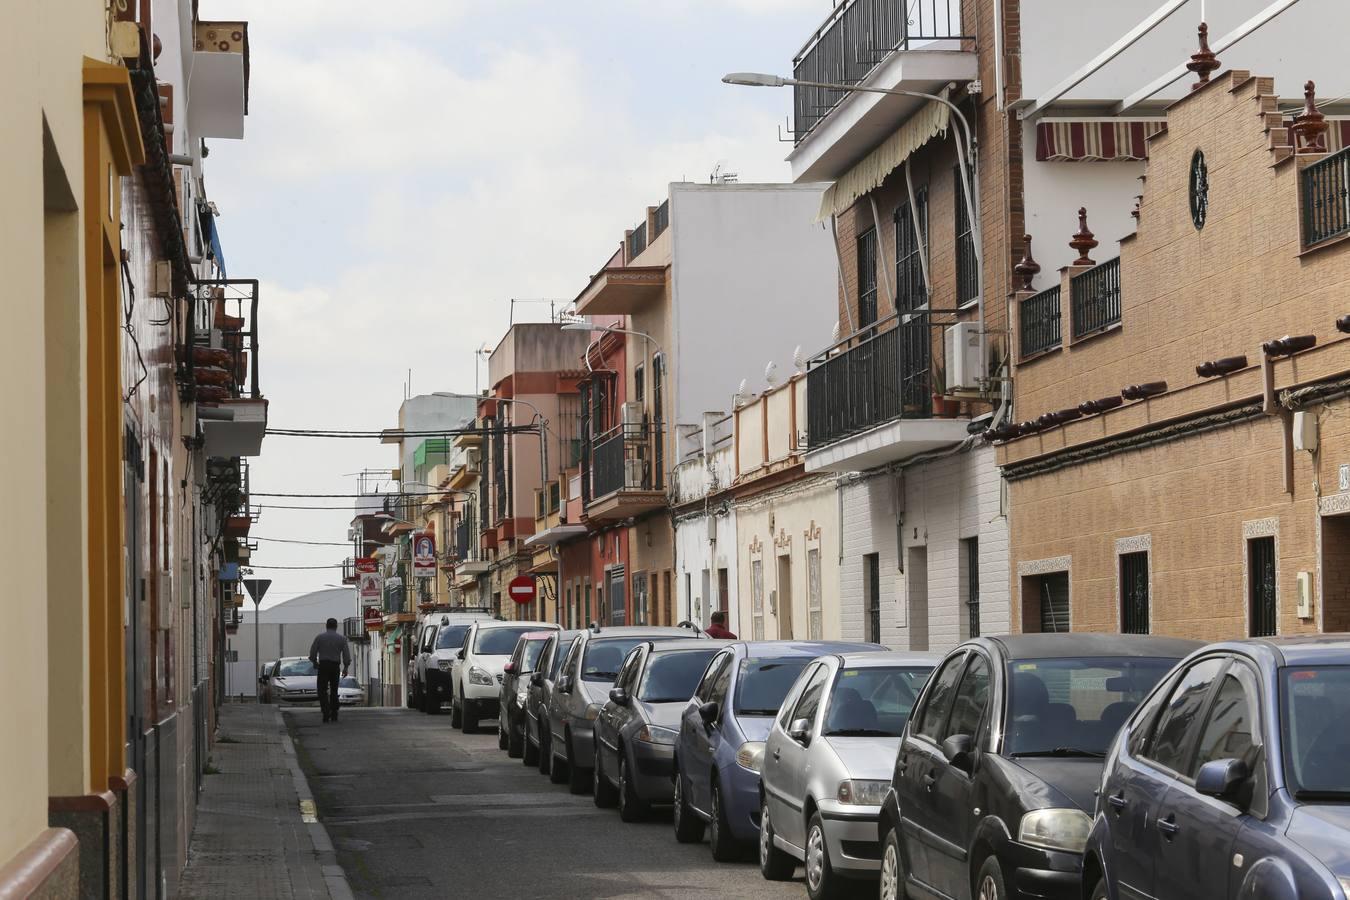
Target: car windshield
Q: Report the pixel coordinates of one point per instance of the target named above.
(671, 677)
(294, 667)
(605, 655)
(451, 637)
(349, 682)
(1074, 706)
(874, 701)
(1315, 720)
(498, 641)
(532, 650)
(763, 683)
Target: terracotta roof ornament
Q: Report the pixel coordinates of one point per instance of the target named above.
(1310, 126)
(1203, 61)
(1027, 268)
(1084, 240)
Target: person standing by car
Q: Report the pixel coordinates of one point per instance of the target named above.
(718, 630)
(327, 652)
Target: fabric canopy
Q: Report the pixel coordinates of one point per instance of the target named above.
(929, 122)
(1113, 141)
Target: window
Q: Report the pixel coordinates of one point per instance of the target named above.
(763, 683)
(667, 598)
(790, 698)
(940, 697)
(721, 683)
(451, 637)
(1314, 722)
(704, 689)
(757, 598)
(659, 470)
(867, 278)
(689, 598)
(970, 548)
(910, 251)
(809, 702)
(723, 590)
(1134, 592)
(671, 677)
(971, 699)
(1175, 730)
(1045, 602)
(497, 641)
(967, 267)
(628, 669)
(586, 611)
(640, 599)
(640, 384)
(1228, 732)
(1261, 591)
(872, 590)
(813, 600)
(873, 701)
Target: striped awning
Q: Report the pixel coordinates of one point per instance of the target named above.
(1062, 140)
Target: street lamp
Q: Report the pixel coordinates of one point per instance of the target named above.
(966, 146)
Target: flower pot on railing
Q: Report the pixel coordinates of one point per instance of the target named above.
(945, 407)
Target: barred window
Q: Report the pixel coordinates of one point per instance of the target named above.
(967, 270)
(910, 250)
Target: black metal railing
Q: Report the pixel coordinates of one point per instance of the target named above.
(887, 373)
(967, 255)
(1326, 198)
(637, 241)
(1095, 297)
(1263, 613)
(662, 219)
(621, 460)
(854, 39)
(1038, 322)
(1134, 592)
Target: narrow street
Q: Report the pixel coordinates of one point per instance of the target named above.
(416, 809)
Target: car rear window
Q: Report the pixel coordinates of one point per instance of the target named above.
(671, 677)
(762, 683)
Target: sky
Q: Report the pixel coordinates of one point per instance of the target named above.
(410, 166)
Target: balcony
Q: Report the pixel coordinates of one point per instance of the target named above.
(1326, 198)
(219, 81)
(622, 290)
(218, 367)
(1039, 323)
(877, 398)
(892, 44)
(623, 483)
(1095, 299)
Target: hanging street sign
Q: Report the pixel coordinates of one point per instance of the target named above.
(424, 554)
(366, 564)
(370, 587)
(372, 618)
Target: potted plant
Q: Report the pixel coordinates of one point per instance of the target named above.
(944, 407)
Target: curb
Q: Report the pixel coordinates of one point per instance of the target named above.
(335, 879)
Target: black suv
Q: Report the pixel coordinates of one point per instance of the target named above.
(992, 793)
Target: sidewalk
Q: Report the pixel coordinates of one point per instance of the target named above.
(251, 838)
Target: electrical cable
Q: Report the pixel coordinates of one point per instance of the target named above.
(358, 496)
(334, 566)
(273, 540)
(393, 433)
(128, 308)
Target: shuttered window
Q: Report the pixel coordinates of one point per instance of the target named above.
(1134, 593)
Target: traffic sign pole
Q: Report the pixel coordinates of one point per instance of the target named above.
(257, 589)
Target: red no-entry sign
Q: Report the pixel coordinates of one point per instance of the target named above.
(521, 589)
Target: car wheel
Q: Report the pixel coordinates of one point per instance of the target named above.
(989, 882)
(1099, 892)
(689, 827)
(468, 716)
(774, 864)
(892, 868)
(724, 846)
(515, 738)
(557, 768)
(455, 716)
(529, 752)
(545, 750)
(602, 792)
(632, 808)
(821, 882)
(578, 779)
(503, 735)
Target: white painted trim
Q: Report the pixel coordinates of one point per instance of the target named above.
(1142, 543)
(1259, 528)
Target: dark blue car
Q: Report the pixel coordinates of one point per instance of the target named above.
(722, 732)
(1232, 780)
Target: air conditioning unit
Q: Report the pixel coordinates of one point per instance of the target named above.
(965, 369)
(632, 473)
(632, 414)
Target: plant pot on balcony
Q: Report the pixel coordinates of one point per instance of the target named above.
(945, 407)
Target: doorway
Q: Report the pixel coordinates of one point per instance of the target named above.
(784, 611)
(917, 597)
(1045, 603)
(1336, 573)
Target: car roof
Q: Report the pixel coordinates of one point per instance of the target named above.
(498, 623)
(536, 635)
(1297, 650)
(890, 658)
(688, 644)
(634, 631)
(805, 648)
(1081, 643)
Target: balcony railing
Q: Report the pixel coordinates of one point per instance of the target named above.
(887, 373)
(637, 241)
(1039, 318)
(1096, 298)
(218, 359)
(662, 219)
(856, 37)
(1326, 198)
(621, 460)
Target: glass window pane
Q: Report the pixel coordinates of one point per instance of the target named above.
(1175, 733)
(809, 702)
(1228, 731)
(971, 699)
(939, 701)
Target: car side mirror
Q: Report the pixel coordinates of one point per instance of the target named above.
(709, 712)
(537, 679)
(958, 750)
(565, 684)
(800, 731)
(619, 696)
(509, 668)
(459, 654)
(1221, 778)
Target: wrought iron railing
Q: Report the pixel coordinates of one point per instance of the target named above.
(886, 372)
(662, 219)
(637, 241)
(1326, 198)
(854, 39)
(1096, 298)
(1039, 322)
(621, 460)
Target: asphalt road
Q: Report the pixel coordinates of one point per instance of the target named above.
(416, 810)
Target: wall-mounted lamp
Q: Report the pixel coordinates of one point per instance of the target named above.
(1144, 391)
(1289, 345)
(1089, 407)
(1217, 367)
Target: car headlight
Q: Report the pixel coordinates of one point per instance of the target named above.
(1055, 829)
(655, 734)
(521, 697)
(479, 676)
(592, 712)
(443, 665)
(861, 792)
(750, 755)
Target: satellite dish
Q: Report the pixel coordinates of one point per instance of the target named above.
(837, 333)
(771, 373)
(798, 359)
(742, 393)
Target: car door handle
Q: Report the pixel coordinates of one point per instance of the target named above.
(1168, 826)
(776, 753)
(928, 781)
(1117, 800)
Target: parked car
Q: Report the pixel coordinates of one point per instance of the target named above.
(582, 688)
(439, 641)
(350, 692)
(722, 732)
(295, 680)
(992, 790)
(515, 690)
(827, 764)
(476, 670)
(540, 694)
(1232, 779)
(265, 681)
(636, 730)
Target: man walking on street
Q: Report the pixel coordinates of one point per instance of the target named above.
(718, 630)
(326, 653)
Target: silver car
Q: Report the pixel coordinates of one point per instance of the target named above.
(295, 680)
(350, 692)
(828, 762)
(582, 689)
(636, 730)
(540, 693)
